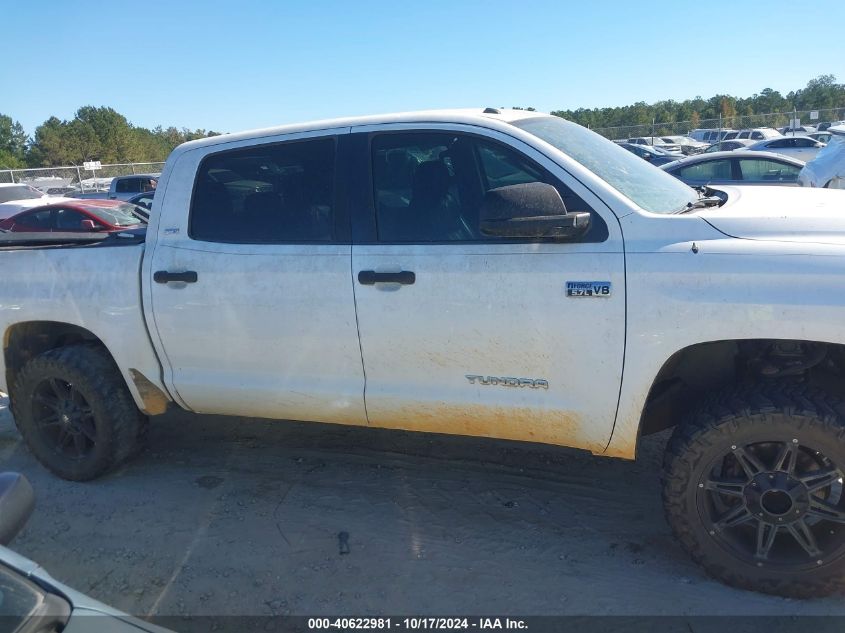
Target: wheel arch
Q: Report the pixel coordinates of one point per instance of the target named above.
(695, 370)
(25, 340)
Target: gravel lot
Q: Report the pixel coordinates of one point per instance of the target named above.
(238, 516)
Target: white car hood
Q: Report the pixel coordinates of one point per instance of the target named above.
(785, 214)
(13, 207)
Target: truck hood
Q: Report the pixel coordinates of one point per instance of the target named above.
(784, 214)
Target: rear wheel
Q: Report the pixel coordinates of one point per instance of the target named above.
(75, 412)
(753, 489)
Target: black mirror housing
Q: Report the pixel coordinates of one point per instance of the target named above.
(17, 501)
(530, 210)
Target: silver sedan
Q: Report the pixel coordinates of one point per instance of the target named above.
(738, 167)
(800, 147)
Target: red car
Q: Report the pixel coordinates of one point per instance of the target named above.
(85, 216)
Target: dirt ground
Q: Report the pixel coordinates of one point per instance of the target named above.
(238, 516)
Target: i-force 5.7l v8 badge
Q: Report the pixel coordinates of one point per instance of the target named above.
(587, 288)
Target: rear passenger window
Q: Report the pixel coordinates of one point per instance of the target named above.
(36, 220)
(269, 194)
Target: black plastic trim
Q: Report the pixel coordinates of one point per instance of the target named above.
(164, 276)
(371, 277)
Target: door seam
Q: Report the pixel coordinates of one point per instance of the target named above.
(358, 330)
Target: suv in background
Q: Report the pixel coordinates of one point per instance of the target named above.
(800, 130)
(656, 142)
(650, 154)
(710, 135)
(754, 134)
(688, 145)
(824, 127)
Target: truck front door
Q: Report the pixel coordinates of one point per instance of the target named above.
(468, 334)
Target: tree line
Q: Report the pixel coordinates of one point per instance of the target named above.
(92, 134)
(821, 93)
(101, 133)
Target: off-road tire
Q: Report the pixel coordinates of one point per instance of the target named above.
(119, 425)
(747, 414)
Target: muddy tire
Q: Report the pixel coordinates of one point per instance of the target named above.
(753, 488)
(75, 412)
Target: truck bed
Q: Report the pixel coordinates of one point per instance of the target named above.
(91, 281)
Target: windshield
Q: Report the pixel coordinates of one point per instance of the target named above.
(650, 188)
(118, 215)
(19, 192)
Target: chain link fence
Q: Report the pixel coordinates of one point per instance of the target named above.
(75, 179)
(775, 120)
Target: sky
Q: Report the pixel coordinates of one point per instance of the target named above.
(241, 64)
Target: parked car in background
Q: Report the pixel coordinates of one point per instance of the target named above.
(687, 145)
(727, 146)
(827, 169)
(656, 141)
(822, 137)
(801, 147)
(652, 155)
(738, 167)
(710, 135)
(76, 215)
(799, 130)
(823, 127)
(124, 187)
(144, 201)
(754, 134)
(30, 599)
(16, 197)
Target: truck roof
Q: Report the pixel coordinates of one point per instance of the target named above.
(483, 116)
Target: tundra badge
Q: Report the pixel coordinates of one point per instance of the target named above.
(587, 288)
(533, 383)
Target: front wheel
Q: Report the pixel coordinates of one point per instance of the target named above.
(75, 412)
(753, 489)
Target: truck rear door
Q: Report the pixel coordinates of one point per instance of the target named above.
(250, 282)
(469, 334)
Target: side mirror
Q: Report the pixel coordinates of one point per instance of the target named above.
(16, 503)
(88, 225)
(529, 210)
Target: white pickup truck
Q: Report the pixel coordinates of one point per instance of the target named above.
(124, 187)
(490, 273)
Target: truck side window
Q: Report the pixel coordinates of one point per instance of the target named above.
(271, 194)
(128, 185)
(429, 186)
